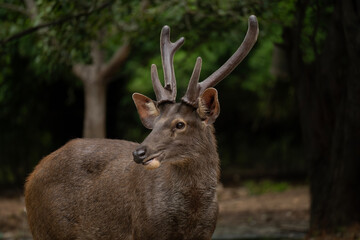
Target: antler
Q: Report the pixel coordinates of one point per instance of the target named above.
(168, 49)
(195, 89)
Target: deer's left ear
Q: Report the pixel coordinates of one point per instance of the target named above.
(146, 108)
(208, 105)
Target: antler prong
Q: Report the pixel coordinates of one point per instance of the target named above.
(158, 89)
(245, 47)
(168, 49)
(193, 88)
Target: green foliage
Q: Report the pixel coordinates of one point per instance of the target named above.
(314, 30)
(265, 186)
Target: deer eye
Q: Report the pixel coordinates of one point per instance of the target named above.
(180, 125)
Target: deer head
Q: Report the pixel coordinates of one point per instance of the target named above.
(183, 131)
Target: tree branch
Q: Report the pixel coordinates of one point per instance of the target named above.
(80, 70)
(109, 69)
(56, 22)
(13, 7)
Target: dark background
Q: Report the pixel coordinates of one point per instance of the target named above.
(290, 111)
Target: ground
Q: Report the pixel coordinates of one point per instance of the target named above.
(282, 214)
(13, 223)
(242, 214)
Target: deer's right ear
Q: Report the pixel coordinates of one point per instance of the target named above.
(146, 108)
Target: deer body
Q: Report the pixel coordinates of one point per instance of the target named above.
(98, 189)
(93, 197)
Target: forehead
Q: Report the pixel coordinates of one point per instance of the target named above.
(177, 110)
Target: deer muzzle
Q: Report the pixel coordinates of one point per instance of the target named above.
(150, 161)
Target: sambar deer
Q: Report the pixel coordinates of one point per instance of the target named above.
(91, 189)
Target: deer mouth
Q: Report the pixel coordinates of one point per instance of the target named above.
(152, 162)
(151, 158)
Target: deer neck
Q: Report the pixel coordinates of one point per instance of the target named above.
(201, 169)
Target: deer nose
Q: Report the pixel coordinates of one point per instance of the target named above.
(139, 154)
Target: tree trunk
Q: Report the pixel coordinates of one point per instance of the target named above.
(95, 109)
(96, 78)
(328, 93)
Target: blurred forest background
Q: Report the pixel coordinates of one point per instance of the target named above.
(289, 111)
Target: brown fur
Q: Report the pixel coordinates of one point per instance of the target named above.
(92, 189)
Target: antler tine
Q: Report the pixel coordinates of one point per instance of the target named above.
(192, 91)
(168, 49)
(228, 66)
(236, 58)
